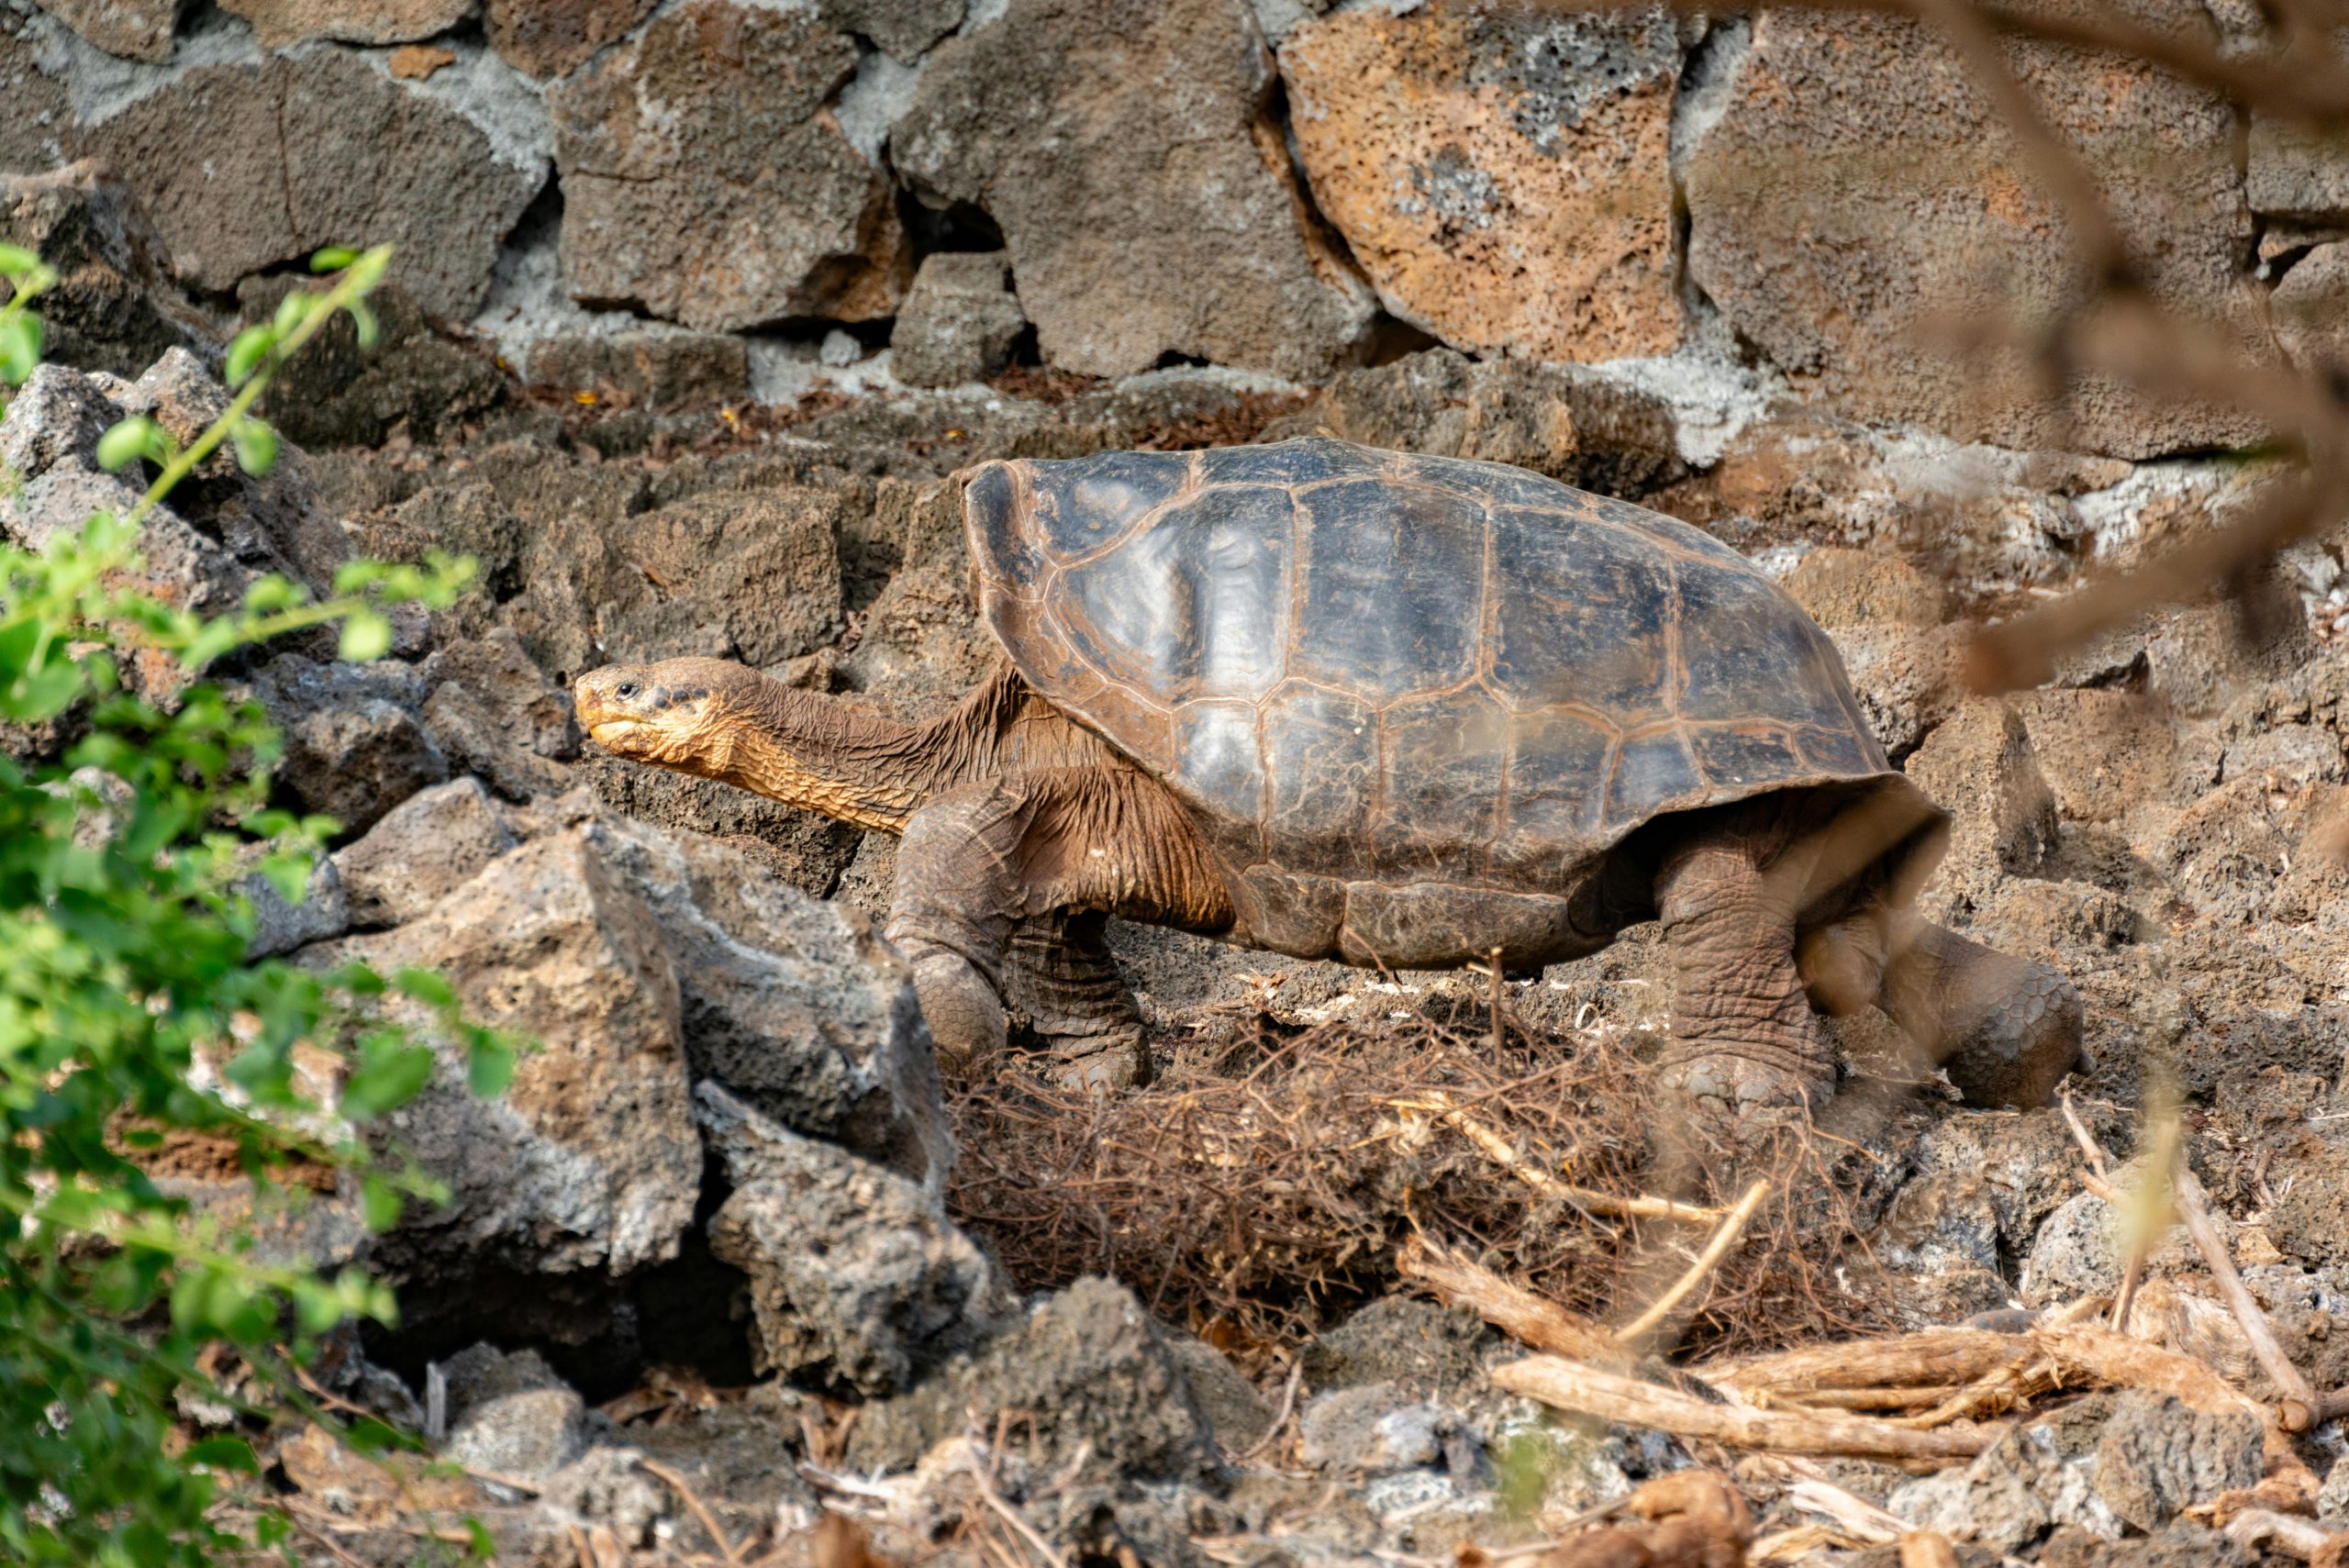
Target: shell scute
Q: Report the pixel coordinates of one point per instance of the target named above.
(1391, 576)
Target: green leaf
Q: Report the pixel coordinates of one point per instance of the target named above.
(19, 347)
(224, 1453)
(491, 1069)
(390, 1074)
(427, 987)
(380, 1204)
(363, 317)
(292, 311)
(333, 258)
(245, 354)
(256, 447)
(133, 439)
(17, 261)
(366, 635)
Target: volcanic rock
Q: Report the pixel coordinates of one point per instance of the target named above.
(703, 182)
(1147, 205)
(1500, 171)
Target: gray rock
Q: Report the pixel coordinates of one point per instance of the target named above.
(1839, 265)
(702, 181)
(495, 712)
(904, 29)
(355, 745)
(322, 913)
(589, 1161)
(646, 369)
(2333, 1501)
(243, 166)
(1089, 1368)
(762, 567)
(1414, 1344)
(794, 1005)
(1118, 146)
(801, 849)
(1555, 419)
(133, 29)
(604, 1486)
(2157, 1458)
(1980, 767)
(420, 851)
(1240, 1415)
(510, 1413)
(2310, 308)
(415, 379)
(280, 24)
(114, 308)
(857, 1276)
(2030, 1480)
(1371, 1428)
(958, 322)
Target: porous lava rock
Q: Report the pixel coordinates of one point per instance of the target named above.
(857, 1276)
(2311, 307)
(1850, 190)
(247, 165)
(552, 37)
(113, 307)
(703, 182)
(959, 321)
(1499, 170)
(280, 24)
(1101, 1382)
(1145, 198)
(904, 29)
(133, 29)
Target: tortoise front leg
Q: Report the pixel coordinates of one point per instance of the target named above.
(1076, 843)
(1744, 1037)
(1059, 972)
(2006, 1029)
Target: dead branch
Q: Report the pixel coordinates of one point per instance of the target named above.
(1614, 1206)
(1731, 1227)
(1927, 1549)
(1588, 1391)
(2303, 1539)
(1936, 1356)
(2194, 1206)
(685, 1494)
(1532, 1320)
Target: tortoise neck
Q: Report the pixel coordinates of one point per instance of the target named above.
(847, 762)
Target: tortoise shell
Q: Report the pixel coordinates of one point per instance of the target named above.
(1411, 702)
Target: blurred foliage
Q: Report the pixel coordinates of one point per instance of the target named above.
(134, 1024)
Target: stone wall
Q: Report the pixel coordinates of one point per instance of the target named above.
(1277, 186)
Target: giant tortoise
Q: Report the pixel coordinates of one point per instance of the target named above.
(1400, 711)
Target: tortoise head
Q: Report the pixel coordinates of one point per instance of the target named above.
(686, 714)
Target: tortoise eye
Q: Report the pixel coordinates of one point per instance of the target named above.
(624, 689)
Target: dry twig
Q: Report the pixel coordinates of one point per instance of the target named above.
(1731, 1227)
(1588, 1391)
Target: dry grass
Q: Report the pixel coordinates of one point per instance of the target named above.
(1263, 1185)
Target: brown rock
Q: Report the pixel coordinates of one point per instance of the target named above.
(1500, 169)
(552, 37)
(703, 182)
(1147, 204)
(415, 62)
(2102, 752)
(1850, 187)
(2310, 308)
(902, 27)
(763, 566)
(135, 30)
(2298, 171)
(1858, 588)
(1980, 767)
(113, 309)
(245, 166)
(664, 370)
(959, 321)
(280, 24)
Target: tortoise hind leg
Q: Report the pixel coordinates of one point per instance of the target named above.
(1059, 972)
(2006, 1029)
(1744, 1037)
